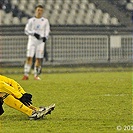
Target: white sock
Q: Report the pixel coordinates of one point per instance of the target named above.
(37, 70)
(27, 68)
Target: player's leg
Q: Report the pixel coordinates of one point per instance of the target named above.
(38, 62)
(27, 68)
(33, 64)
(37, 69)
(16, 104)
(28, 63)
(33, 114)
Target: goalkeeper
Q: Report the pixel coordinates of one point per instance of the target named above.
(13, 95)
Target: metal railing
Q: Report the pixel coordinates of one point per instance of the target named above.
(77, 47)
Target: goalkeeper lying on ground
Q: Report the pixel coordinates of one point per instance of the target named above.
(12, 94)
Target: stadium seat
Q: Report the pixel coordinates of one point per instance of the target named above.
(90, 13)
(69, 2)
(65, 6)
(40, 2)
(74, 7)
(47, 13)
(15, 2)
(72, 12)
(131, 1)
(83, 6)
(7, 21)
(88, 21)
(105, 21)
(21, 7)
(61, 21)
(106, 15)
(98, 12)
(23, 2)
(114, 21)
(16, 20)
(79, 20)
(85, 1)
(33, 2)
(129, 6)
(59, 2)
(57, 6)
(96, 21)
(92, 6)
(62, 16)
(24, 20)
(75, 2)
(61, 11)
(53, 17)
(81, 13)
(49, 2)
(30, 10)
(70, 20)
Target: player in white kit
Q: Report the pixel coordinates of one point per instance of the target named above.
(37, 29)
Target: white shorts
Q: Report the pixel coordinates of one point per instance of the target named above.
(35, 47)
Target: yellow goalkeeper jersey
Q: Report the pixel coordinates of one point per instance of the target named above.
(11, 87)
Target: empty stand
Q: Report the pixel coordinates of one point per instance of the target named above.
(73, 12)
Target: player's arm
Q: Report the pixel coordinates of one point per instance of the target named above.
(16, 88)
(13, 83)
(28, 28)
(47, 31)
(11, 87)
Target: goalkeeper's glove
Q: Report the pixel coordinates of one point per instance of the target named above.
(1, 108)
(26, 99)
(44, 39)
(37, 36)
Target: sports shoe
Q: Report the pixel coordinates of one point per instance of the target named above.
(43, 111)
(36, 78)
(47, 110)
(25, 77)
(36, 115)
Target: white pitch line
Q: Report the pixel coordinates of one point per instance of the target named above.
(115, 95)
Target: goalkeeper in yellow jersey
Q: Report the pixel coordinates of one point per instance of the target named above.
(13, 95)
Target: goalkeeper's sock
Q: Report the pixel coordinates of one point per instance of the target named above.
(37, 70)
(27, 68)
(33, 108)
(16, 104)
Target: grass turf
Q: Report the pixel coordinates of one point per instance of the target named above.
(91, 102)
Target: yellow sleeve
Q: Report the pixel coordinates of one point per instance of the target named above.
(12, 83)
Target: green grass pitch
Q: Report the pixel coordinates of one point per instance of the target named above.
(91, 102)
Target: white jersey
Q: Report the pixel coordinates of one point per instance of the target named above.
(40, 26)
(37, 25)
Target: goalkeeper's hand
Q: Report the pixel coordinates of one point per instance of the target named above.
(37, 36)
(44, 39)
(26, 99)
